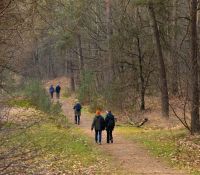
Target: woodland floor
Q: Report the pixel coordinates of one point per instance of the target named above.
(130, 157)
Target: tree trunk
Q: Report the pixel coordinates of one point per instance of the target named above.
(194, 68)
(109, 60)
(142, 85)
(70, 70)
(72, 80)
(2, 5)
(80, 54)
(173, 48)
(162, 72)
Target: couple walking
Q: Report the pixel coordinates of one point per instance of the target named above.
(99, 124)
(57, 90)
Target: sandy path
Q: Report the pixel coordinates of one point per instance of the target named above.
(127, 155)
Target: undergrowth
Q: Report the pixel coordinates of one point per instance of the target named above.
(33, 95)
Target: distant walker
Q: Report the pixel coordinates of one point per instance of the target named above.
(51, 91)
(77, 112)
(58, 88)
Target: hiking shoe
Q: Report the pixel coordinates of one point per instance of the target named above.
(111, 140)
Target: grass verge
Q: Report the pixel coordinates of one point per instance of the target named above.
(174, 146)
(49, 148)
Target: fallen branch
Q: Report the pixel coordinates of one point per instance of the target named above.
(143, 122)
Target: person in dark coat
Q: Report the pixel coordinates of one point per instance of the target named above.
(98, 125)
(109, 124)
(51, 90)
(58, 88)
(77, 112)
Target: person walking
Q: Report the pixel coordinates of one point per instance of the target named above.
(77, 112)
(99, 125)
(58, 88)
(109, 124)
(51, 91)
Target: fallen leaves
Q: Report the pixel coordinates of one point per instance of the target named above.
(188, 152)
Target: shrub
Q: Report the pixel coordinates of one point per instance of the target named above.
(55, 108)
(32, 94)
(87, 91)
(34, 91)
(97, 103)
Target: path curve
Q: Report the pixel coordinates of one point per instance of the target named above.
(130, 156)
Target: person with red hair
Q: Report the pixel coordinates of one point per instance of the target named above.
(98, 125)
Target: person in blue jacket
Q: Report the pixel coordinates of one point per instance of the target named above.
(51, 91)
(77, 111)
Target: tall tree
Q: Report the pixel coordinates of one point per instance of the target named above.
(162, 71)
(173, 49)
(109, 31)
(195, 126)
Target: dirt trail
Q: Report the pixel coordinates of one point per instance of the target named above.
(127, 155)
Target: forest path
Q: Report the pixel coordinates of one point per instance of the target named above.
(126, 155)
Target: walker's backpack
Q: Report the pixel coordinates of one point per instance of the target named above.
(58, 88)
(111, 121)
(51, 90)
(78, 107)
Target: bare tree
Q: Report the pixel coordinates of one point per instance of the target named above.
(162, 71)
(195, 125)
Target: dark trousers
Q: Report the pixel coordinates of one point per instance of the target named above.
(109, 136)
(51, 94)
(58, 95)
(98, 136)
(77, 119)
